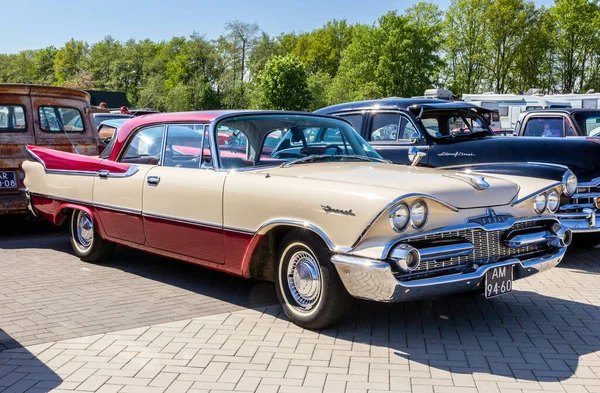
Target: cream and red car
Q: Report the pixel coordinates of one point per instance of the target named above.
(320, 214)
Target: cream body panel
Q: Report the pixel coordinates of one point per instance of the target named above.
(252, 199)
(407, 179)
(186, 194)
(122, 192)
(74, 187)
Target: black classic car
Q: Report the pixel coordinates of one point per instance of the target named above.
(559, 123)
(457, 136)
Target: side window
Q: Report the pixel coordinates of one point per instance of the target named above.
(145, 147)
(432, 125)
(12, 118)
(568, 129)
(60, 119)
(385, 127)
(355, 120)
(408, 132)
(545, 127)
(183, 148)
(233, 148)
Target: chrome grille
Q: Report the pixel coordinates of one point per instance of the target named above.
(489, 246)
(583, 198)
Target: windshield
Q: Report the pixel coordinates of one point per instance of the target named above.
(269, 139)
(454, 123)
(589, 122)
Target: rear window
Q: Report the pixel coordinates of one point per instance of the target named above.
(60, 119)
(12, 118)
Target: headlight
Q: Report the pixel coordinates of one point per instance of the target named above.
(571, 187)
(553, 201)
(539, 203)
(399, 217)
(418, 214)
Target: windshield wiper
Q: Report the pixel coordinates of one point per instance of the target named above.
(328, 156)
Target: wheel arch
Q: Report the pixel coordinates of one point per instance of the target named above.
(65, 209)
(260, 258)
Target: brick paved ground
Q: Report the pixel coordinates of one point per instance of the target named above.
(545, 336)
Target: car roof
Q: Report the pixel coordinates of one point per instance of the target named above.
(383, 103)
(563, 110)
(113, 115)
(188, 117)
(43, 90)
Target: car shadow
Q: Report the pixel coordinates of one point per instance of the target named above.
(21, 370)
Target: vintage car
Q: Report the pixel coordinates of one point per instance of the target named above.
(44, 116)
(563, 122)
(454, 135)
(320, 214)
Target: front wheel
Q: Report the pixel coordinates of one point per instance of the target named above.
(86, 242)
(308, 287)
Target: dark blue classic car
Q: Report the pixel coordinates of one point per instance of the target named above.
(457, 136)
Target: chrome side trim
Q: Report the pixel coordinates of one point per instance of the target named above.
(393, 203)
(183, 220)
(116, 208)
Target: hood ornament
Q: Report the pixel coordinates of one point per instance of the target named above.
(491, 217)
(477, 181)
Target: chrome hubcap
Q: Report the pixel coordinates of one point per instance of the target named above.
(85, 229)
(304, 279)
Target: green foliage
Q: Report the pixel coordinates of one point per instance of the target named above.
(283, 84)
(474, 46)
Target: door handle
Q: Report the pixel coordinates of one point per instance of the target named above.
(153, 180)
(103, 173)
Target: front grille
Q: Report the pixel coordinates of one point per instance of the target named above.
(489, 245)
(583, 198)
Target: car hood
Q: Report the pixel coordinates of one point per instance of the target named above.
(444, 185)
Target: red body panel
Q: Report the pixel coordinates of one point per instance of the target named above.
(120, 225)
(60, 160)
(191, 240)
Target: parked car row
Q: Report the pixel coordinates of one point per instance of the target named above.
(314, 202)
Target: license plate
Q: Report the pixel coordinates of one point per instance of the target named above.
(498, 281)
(8, 180)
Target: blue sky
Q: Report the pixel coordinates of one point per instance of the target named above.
(33, 24)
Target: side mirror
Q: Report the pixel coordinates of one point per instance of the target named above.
(414, 155)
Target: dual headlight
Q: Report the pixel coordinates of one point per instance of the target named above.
(401, 215)
(546, 201)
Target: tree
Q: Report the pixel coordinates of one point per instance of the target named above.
(466, 44)
(577, 24)
(70, 59)
(283, 84)
(509, 22)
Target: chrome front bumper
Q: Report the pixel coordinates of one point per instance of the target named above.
(584, 222)
(373, 279)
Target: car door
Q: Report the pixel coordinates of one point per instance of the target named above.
(183, 198)
(118, 197)
(392, 134)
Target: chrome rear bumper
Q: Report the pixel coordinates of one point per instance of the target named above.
(374, 280)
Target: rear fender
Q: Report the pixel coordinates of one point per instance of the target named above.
(60, 215)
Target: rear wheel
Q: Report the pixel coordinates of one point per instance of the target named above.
(86, 242)
(586, 240)
(308, 287)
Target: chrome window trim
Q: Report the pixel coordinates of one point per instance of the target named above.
(133, 134)
(132, 170)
